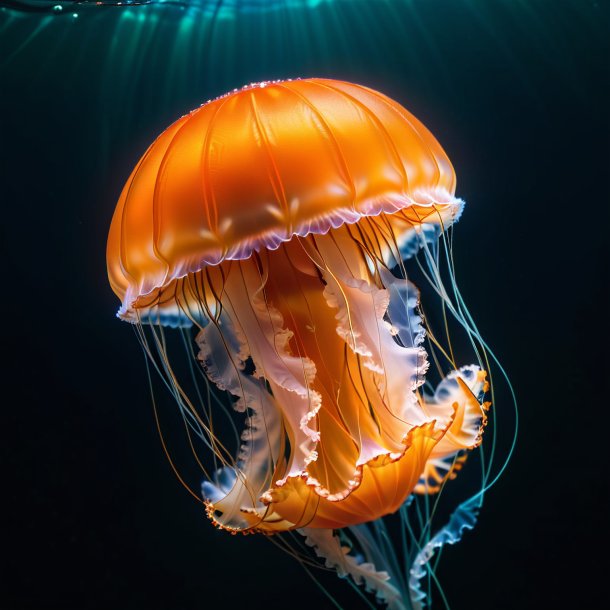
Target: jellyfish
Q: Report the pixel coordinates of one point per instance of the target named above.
(273, 230)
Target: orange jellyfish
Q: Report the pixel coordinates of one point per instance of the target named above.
(277, 223)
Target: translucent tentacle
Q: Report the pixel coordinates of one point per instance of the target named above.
(463, 518)
(328, 546)
(457, 403)
(233, 495)
(289, 375)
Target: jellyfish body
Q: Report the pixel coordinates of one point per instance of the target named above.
(275, 222)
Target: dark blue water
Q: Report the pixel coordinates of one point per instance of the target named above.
(516, 92)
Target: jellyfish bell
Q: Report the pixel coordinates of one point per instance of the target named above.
(275, 221)
(257, 166)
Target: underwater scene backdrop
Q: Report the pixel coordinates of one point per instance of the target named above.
(516, 93)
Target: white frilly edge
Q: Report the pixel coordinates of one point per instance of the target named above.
(408, 244)
(327, 546)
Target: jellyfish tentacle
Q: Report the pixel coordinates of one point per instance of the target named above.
(362, 306)
(269, 345)
(367, 334)
(328, 547)
(234, 494)
(461, 394)
(463, 518)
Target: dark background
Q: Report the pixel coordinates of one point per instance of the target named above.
(517, 94)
